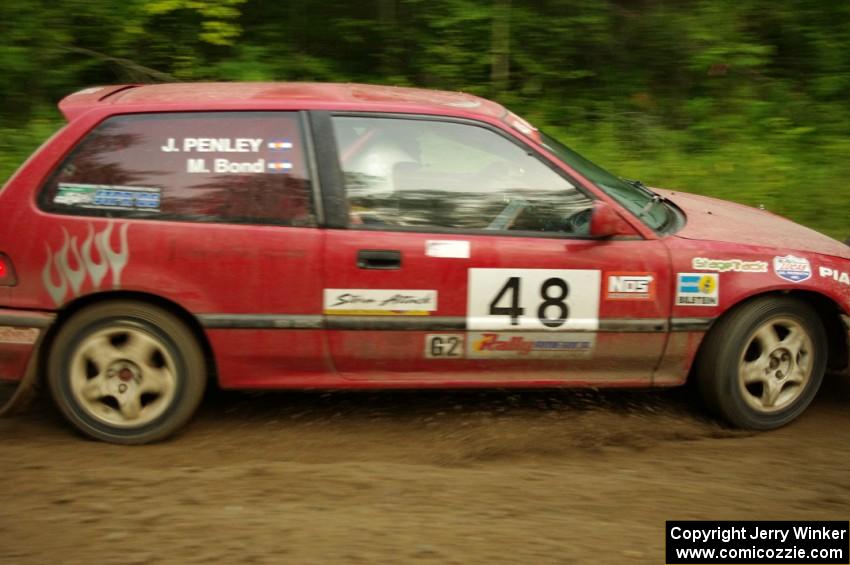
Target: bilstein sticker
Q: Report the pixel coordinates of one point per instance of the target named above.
(727, 265)
(381, 302)
(535, 345)
(630, 286)
(697, 289)
(791, 268)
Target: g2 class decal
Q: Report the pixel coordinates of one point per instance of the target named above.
(444, 346)
(533, 299)
(791, 268)
(379, 302)
(697, 289)
(71, 279)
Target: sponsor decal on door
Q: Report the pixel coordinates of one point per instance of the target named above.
(533, 299)
(379, 302)
(630, 286)
(697, 289)
(533, 345)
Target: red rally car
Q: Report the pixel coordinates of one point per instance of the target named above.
(297, 235)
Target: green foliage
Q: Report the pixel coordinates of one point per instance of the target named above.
(744, 100)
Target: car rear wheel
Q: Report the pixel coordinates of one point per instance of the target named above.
(126, 372)
(762, 365)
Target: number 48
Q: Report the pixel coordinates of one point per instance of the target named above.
(553, 291)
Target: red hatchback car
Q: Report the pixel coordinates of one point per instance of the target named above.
(350, 236)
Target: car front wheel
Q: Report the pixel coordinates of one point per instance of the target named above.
(126, 372)
(763, 363)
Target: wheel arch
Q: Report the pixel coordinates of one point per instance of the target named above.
(829, 312)
(82, 302)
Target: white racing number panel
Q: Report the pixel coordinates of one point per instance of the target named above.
(533, 299)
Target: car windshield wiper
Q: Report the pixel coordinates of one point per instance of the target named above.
(639, 185)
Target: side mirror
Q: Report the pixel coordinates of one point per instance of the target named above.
(605, 221)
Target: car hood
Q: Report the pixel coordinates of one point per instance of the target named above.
(719, 220)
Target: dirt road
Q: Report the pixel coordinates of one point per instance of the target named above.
(426, 477)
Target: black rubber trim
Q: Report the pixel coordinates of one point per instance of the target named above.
(334, 203)
(691, 324)
(424, 323)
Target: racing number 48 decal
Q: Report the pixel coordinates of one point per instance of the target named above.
(533, 299)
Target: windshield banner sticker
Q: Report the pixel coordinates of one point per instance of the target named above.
(727, 265)
(697, 289)
(101, 196)
(791, 268)
(379, 302)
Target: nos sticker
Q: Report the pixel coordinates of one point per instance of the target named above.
(533, 299)
(630, 286)
(362, 301)
(697, 289)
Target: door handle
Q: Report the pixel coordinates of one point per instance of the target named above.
(378, 259)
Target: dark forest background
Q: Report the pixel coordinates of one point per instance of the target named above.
(747, 99)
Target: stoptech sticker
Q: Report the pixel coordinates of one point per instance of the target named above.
(728, 265)
(630, 286)
(697, 289)
(533, 299)
(379, 302)
(791, 268)
(535, 345)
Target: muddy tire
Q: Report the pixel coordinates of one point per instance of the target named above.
(763, 363)
(126, 372)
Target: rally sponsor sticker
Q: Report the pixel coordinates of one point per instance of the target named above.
(697, 289)
(533, 299)
(447, 249)
(100, 196)
(530, 345)
(792, 269)
(380, 302)
(838, 276)
(24, 336)
(729, 265)
(630, 286)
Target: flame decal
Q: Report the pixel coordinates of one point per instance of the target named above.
(73, 278)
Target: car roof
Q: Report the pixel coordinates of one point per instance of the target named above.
(305, 95)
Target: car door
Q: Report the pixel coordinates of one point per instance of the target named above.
(466, 258)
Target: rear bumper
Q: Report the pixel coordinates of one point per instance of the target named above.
(19, 334)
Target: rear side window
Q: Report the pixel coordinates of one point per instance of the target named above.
(240, 167)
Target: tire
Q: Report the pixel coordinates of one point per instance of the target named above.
(763, 363)
(126, 372)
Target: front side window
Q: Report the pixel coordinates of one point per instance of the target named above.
(416, 173)
(217, 166)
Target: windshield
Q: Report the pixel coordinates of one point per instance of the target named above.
(639, 200)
